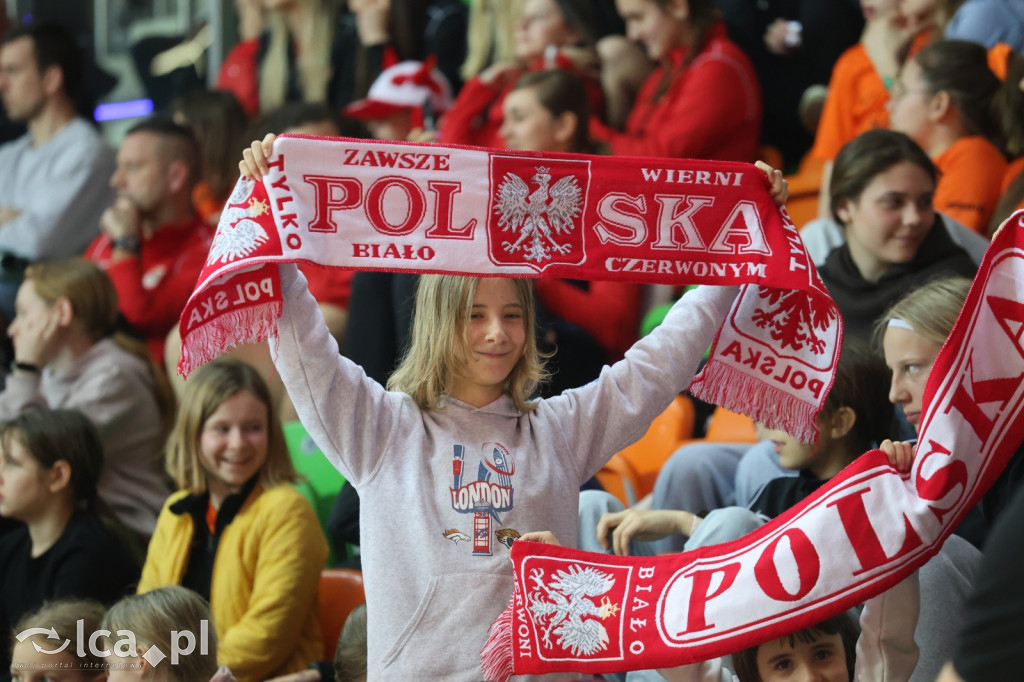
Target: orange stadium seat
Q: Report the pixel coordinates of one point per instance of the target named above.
(341, 590)
(666, 433)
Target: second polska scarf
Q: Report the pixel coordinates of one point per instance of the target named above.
(858, 535)
(374, 205)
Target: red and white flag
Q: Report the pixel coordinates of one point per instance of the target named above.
(374, 205)
(855, 537)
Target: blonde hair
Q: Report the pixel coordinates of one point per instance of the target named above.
(930, 309)
(152, 616)
(205, 391)
(440, 341)
(63, 616)
(94, 303)
(490, 36)
(313, 60)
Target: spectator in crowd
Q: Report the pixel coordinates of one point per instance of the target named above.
(155, 619)
(311, 52)
(53, 179)
(67, 355)
(154, 243)
(237, 532)
(70, 544)
(702, 101)
(32, 658)
(218, 123)
(564, 27)
(858, 91)
(881, 193)
(948, 100)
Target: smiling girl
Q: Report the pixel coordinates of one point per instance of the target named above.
(881, 194)
(456, 461)
(237, 532)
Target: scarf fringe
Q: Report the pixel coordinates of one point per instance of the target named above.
(722, 384)
(245, 325)
(496, 659)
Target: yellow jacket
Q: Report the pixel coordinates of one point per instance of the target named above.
(263, 593)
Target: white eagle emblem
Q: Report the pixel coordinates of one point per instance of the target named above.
(236, 241)
(562, 605)
(540, 216)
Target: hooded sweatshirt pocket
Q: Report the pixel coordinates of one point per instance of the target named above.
(444, 635)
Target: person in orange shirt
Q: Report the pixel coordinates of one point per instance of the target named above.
(858, 92)
(948, 100)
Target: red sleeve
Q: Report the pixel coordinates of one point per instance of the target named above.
(467, 121)
(714, 114)
(153, 312)
(239, 75)
(609, 311)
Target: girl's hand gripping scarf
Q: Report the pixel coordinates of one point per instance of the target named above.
(863, 532)
(373, 205)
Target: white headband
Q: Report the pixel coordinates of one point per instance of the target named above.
(900, 324)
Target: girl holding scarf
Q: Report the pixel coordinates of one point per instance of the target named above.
(456, 461)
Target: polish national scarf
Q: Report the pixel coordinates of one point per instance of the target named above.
(373, 205)
(855, 537)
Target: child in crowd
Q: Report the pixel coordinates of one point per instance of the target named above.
(237, 532)
(161, 619)
(834, 650)
(350, 655)
(70, 544)
(459, 419)
(856, 417)
(36, 658)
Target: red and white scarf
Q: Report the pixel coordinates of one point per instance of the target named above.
(373, 205)
(864, 531)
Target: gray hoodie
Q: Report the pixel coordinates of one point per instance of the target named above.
(443, 492)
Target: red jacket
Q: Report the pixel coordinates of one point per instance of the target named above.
(476, 115)
(710, 110)
(152, 289)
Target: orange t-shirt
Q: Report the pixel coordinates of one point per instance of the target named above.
(972, 172)
(856, 101)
